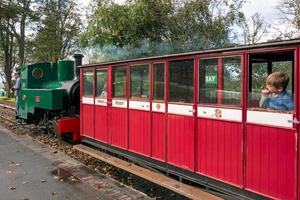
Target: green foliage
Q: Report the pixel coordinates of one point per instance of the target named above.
(145, 28)
(127, 24)
(201, 24)
(57, 33)
(15, 15)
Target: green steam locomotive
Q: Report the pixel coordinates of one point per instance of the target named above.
(49, 96)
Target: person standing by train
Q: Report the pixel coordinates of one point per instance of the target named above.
(275, 95)
(16, 89)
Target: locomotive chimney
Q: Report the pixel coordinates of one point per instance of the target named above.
(78, 61)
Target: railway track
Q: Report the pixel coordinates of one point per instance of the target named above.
(7, 113)
(7, 119)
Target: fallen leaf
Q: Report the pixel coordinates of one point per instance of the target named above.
(54, 193)
(72, 179)
(12, 188)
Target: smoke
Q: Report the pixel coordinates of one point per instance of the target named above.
(146, 48)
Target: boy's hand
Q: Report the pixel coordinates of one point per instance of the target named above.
(265, 92)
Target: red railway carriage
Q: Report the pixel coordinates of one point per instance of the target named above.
(197, 115)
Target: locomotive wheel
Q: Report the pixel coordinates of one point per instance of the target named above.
(52, 128)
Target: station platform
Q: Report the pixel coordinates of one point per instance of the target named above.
(32, 170)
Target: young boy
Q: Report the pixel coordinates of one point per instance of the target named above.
(275, 95)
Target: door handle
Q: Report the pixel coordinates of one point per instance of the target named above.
(294, 121)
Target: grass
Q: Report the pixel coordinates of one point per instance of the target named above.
(10, 99)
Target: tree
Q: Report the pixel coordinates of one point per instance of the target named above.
(120, 25)
(25, 12)
(14, 15)
(7, 40)
(57, 32)
(290, 10)
(161, 26)
(253, 29)
(199, 24)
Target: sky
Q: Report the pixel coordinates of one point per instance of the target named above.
(266, 7)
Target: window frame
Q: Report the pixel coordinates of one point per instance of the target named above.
(152, 81)
(129, 82)
(93, 89)
(124, 65)
(96, 79)
(294, 81)
(167, 81)
(219, 58)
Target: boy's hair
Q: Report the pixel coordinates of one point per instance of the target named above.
(278, 80)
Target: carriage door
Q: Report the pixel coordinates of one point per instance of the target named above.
(180, 117)
(101, 115)
(271, 128)
(219, 119)
(139, 110)
(158, 112)
(118, 115)
(87, 112)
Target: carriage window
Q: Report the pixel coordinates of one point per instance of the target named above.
(231, 93)
(224, 90)
(101, 90)
(284, 66)
(158, 81)
(119, 82)
(257, 82)
(139, 82)
(208, 80)
(274, 65)
(88, 83)
(181, 81)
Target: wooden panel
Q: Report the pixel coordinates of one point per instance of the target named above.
(118, 126)
(180, 141)
(271, 161)
(101, 123)
(139, 132)
(158, 136)
(219, 150)
(88, 120)
(157, 178)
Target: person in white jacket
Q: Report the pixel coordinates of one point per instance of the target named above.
(16, 89)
